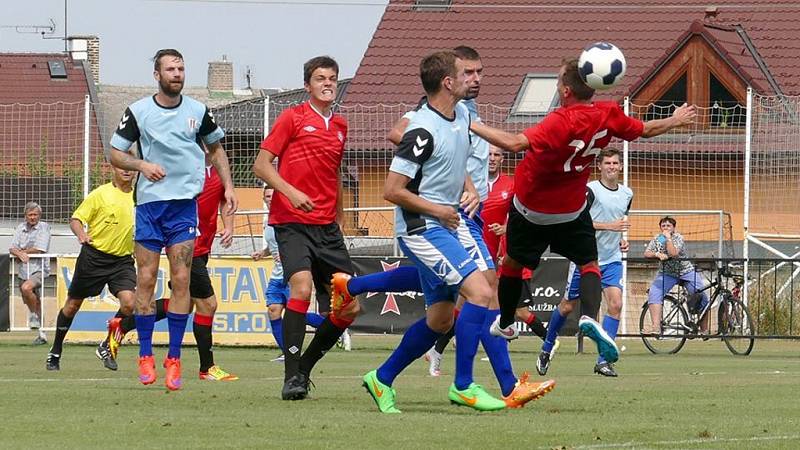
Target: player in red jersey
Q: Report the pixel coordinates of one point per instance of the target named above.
(550, 197)
(495, 216)
(210, 201)
(306, 213)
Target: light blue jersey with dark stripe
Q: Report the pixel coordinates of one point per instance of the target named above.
(168, 137)
(433, 153)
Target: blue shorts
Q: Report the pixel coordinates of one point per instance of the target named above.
(611, 277)
(442, 261)
(470, 234)
(166, 223)
(277, 292)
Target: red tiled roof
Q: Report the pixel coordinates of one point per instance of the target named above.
(25, 78)
(518, 37)
(42, 118)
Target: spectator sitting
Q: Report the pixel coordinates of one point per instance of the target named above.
(669, 248)
(31, 237)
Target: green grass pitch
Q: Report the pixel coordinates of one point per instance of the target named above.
(701, 398)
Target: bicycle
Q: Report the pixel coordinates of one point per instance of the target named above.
(680, 319)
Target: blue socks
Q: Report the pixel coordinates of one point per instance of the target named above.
(402, 279)
(177, 327)
(277, 331)
(416, 341)
(556, 322)
(314, 319)
(610, 325)
(468, 334)
(497, 351)
(144, 328)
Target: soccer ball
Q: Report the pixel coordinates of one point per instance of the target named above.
(601, 65)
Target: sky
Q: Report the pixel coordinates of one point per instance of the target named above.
(271, 37)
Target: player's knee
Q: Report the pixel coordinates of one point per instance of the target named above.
(440, 325)
(71, 307)
(275, 311)
(523, 314)
(566, 306)
(300, 291)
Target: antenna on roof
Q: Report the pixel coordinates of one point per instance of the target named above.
(33, 29)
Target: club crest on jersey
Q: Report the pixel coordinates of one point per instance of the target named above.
(309, 129)
(340, 135)
(504, 194)
(193, 124)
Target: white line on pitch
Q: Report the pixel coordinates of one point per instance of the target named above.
(687, 442)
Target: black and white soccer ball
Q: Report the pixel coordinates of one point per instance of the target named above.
(601, 65)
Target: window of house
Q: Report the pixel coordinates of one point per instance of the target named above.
(672, 98)
(536, 96)
(726, 111)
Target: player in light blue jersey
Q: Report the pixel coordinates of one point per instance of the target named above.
(516, 392)
(167, 128)
(277, 289)
(426, 180)
(609, 203)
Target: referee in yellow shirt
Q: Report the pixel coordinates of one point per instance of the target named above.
(105, 258)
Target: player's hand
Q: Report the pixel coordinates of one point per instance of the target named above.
(24, 257)
(662, 256)
(497, 229)
(448, 217)
(470, 200)
(257, 255)
(668, 235)
(300, 200)
(231, 202)
(226, 238)
(152, 171)
(84, 238)
(624, 246)
(685, 114)
(620, 225)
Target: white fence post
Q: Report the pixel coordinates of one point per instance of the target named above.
(87, 126)
(748, 142)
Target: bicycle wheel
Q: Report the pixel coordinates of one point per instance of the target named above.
(673, 328)
(736, 327)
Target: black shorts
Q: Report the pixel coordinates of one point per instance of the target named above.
(95, 269)
(199, 281)
(316, 248)
(574, 240)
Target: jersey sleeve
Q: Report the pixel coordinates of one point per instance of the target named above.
(552, 133)
(127, 131)
(87, 209)
(278, 138)
(415, 148)
(210, 132)
(630, 202)
(622, 126)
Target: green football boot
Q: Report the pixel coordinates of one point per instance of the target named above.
(475, 397)
(383, 395)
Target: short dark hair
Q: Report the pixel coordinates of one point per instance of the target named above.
(434, 68)
(467, 53)
(318, 62)
(609, 152)
(164, 52)
(573, 80)
(667, 219)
